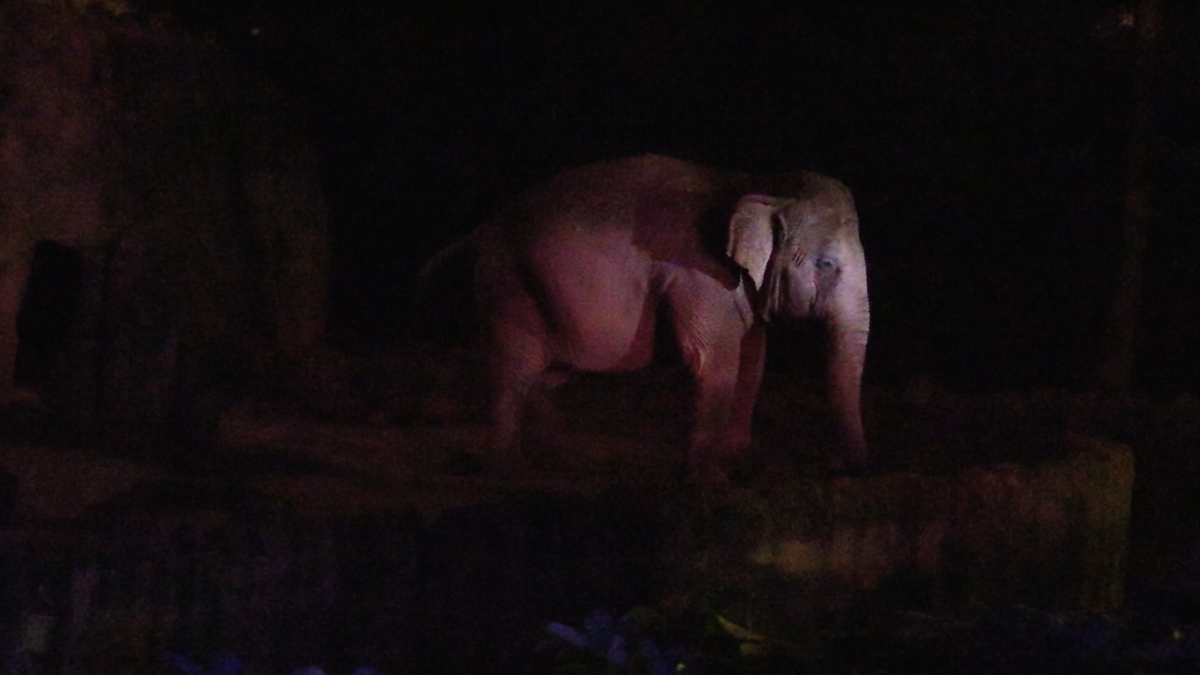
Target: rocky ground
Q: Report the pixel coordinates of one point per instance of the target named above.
(355, 498)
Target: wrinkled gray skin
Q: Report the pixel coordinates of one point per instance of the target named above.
(575, 274)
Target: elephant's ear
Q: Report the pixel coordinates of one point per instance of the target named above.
(750, 235)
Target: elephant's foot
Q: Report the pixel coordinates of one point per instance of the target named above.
(707, 471)
(710, 479)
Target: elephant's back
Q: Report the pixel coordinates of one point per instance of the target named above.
(588, 245)
(608, 194)
(639, 208)
(635, 210)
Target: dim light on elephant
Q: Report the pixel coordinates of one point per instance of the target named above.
(577, 273)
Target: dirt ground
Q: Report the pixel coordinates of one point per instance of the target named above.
(366, 437)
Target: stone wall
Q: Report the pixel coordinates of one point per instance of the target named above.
(189, 186)
(1051, 533)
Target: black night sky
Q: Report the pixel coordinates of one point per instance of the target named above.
(988, 145)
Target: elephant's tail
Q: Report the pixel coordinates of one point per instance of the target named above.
(442, 307)
(463, 246)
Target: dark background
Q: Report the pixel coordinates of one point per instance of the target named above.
(987, 144)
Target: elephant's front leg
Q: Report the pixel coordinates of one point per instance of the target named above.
(750, 372)
(710, 443)
(727, 384)
(722, 347)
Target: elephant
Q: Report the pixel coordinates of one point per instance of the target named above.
(575, 275)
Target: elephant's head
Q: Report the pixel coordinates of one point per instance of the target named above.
(806, 260)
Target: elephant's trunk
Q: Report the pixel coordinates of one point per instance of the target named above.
(847, 346)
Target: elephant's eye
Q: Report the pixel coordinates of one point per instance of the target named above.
(824, 264)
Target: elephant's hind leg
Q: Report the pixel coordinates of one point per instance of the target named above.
(518, 364)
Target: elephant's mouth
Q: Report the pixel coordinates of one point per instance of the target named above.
(779, 303)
